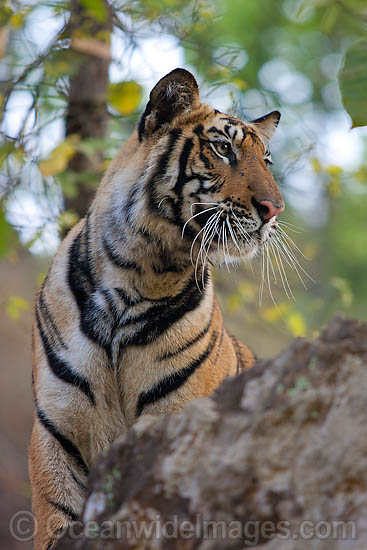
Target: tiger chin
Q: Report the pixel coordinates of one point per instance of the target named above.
(127, 322)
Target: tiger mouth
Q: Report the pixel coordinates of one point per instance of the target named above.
(237, 220)
(226, 231)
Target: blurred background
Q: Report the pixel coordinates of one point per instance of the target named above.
(74, 78)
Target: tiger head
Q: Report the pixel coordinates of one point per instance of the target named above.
(206, 176)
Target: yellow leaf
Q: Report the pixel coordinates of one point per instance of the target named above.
(272, 313)
(15, 305)
(241, 84)
(296, 324)
(247, 290)
(316, 165)
(334, 187)
(343, 287)
(334, 170)
(17, 20)
(105, 164)
(41, 277)
(4, 37)
(67, 219)
(233, 302)
(59, 158)
(125, 96)
(310, 250)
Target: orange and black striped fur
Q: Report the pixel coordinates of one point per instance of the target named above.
(127, 322)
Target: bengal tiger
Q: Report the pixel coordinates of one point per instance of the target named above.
(126, 321)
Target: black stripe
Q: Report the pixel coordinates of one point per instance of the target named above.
(83, 285)
(162, 165)
(49, 320)
(113, 309)
(233, 121)
(184, 157)
(161, 317)
(86, 242)
(151, 239)
(68, 512)
(65, 443)
(219, 345)
(55, 537)
(173, 381)
(141, 124)
(198, 130)
(168, 268)
(80, 278)
(60, 368)
(188, 344)
(117, 260)
(129, 301)
(208, 165)
(216, 131)
(77, 481)
(130, 203)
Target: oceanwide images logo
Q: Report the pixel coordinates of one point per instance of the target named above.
(23, 527)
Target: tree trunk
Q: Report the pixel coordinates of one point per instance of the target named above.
(87, 115)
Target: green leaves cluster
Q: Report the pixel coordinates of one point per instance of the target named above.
(353, 82)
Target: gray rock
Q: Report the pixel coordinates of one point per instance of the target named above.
(276, 459)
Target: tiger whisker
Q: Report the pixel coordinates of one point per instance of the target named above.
(288, 224)
(240, 227)
(284, 250)
(207, 228)
(262, 282)
(232, 235)
(274, 252)
(271, 264)
(223, 248)
(268, 260)
(194, 216)
(196, 237)
(162, 200)
(293, 257)
(292, 243)
(207, 249)
(290, 228)
(283, 276)
(226, 243)
(204, 203)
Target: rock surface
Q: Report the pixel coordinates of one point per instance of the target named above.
(275, 459)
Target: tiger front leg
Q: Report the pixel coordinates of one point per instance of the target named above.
(58, 476)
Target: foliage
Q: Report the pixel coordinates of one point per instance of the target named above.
(302, 56)
(353, 78)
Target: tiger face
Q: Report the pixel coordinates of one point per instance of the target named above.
(208, 172)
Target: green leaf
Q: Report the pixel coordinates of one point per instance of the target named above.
(353, 83)
(7, 235)
(96, 9)
(125, 96)
(6, 149)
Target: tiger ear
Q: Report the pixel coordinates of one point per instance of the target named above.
(172, 95)
(266, 125)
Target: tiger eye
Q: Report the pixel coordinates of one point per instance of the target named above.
(223, 147)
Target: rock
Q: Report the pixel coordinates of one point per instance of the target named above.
(275, 459)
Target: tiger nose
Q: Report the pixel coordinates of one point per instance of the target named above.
(270, 210)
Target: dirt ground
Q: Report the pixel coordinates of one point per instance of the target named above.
(17, 278)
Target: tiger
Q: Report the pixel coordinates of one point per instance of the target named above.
(127, 322)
